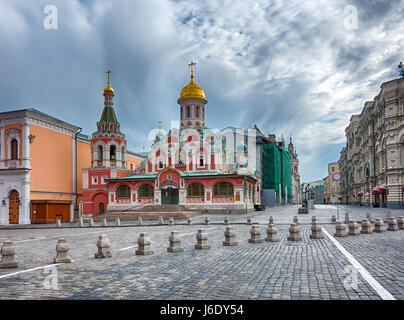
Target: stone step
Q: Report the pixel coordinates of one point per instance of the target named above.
(134, 215)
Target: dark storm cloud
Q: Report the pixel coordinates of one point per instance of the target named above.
(290, 67)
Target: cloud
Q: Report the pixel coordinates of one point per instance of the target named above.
(291, 67)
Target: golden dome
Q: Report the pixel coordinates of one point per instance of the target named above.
(108, 90)
(192, 90)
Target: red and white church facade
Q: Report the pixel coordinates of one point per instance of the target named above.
(191, 166)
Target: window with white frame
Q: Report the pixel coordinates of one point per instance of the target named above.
(104, 180)
(94, 180)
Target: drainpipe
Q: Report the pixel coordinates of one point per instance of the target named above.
(75, 165)
(244, 195)
(374, 152)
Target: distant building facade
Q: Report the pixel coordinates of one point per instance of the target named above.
(331, 184)
(294, 162)
(372, 162)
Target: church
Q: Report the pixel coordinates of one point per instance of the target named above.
(191, 166)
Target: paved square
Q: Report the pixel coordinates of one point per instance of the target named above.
(308, 269)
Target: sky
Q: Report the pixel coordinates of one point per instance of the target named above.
(298, 68)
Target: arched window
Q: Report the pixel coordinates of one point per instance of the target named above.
(100, 153)
(14, 149)
(195, 190)
(223, 189)
(201, 160)
(123, 192)
(197, 111)
(146, 191)
(188, 111)
(112, 153)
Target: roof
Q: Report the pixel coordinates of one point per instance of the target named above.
(40, 113)
(183, 174)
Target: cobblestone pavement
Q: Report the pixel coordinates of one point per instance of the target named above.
(310, 269)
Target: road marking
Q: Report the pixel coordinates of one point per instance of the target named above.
(123, 249)
(63, 236)
(382, 292)
(24, 271)
(186, 234)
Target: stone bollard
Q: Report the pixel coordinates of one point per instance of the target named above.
(400, 222)
(333, 219)
(353, 228)
(379, 226)
(161, 220)
(144, 242)
(295, 220)
(58, 224)
(366, 227)
(62, 252)
(91, 222)
(117, 222)
(104, 247)
(369, 216)
(230, 237)
(206, 220)
(294, 233)
(346, 220)
(175, 242)
(387, 216)
(104, 222)
(392, 225)
(316, 231)
(171, 222)
(271, 220)
(313, 219)
(340, 230)
(272, 233)
(249, 221)
(226, 220)
(8, 256)
(139, 220)
(255, 234)
(202, 240)
(81, 223)
(189, 220)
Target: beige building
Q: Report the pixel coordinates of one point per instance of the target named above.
(372, 162)
(294, 162)
(331, 184)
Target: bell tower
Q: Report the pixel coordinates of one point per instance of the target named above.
(192, 102)
(108, 143)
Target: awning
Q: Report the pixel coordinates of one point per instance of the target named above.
(382, 188)
(402, 189)
(375, 190)
(360, 194)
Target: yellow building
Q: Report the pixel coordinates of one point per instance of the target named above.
(41, 162)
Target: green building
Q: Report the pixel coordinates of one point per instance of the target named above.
(276, 174)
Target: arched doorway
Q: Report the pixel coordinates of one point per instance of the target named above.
(13, 207)
(169, 193)
(101, 208)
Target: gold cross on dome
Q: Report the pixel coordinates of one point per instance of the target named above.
(108, 73)
(192, 68)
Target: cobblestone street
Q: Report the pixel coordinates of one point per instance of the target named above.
(308, 269)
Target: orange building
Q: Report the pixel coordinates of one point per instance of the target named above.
(39, 184)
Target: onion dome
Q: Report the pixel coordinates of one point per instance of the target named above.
(108, 90)
(192, 90)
